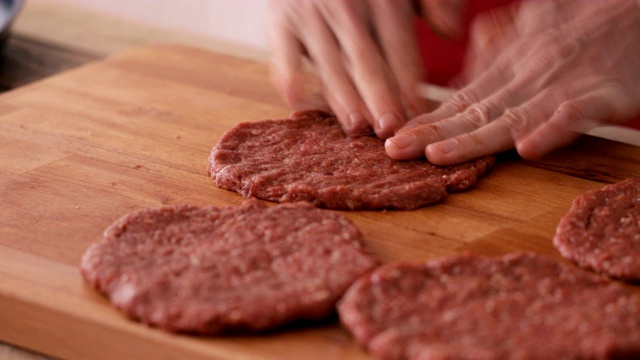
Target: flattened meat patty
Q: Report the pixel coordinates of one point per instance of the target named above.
(601, 231)
(310, 158)
(520, 306)
(217, 270)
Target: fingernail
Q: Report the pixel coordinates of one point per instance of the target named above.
(446, 146)
(354, 121)
(386, 124)
(403, 140)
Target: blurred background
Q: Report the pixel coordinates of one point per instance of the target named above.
(239, 22)
(49, 36)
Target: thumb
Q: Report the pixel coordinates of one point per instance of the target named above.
(445, 16)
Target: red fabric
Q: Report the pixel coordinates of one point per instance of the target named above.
(633, 124)
(443, 60)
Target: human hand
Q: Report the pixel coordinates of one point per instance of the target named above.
(364, 53)
(541, 75)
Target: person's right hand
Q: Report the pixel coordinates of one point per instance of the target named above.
(364, 53)
(552, 71)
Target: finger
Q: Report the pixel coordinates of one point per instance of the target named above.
(338, 88)
(445, 16)
(490, 82)
(572, 118)
(411, 143)
(369, 71)
(396, 35)
(499, 135)
(353, 122)
(286, 69)
(464, 109)
(442, 112)
(490, 33)
(547, 122)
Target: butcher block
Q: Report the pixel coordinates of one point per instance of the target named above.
(82, 148)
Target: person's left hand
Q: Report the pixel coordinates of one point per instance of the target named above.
(558, 69)
(363, 54)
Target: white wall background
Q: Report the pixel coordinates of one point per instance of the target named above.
(238, 21)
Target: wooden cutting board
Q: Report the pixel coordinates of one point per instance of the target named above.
(80, 149)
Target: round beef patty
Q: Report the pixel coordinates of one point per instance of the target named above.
(601, 231)
(520, 306)
(211, 271)
(310, 158)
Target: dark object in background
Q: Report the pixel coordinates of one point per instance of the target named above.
(9, 10)
(25, 59)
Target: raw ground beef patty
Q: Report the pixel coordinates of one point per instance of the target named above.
(601, 231)
(309, 157)
(520, 306)
(217, 270)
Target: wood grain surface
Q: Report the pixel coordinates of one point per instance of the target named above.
(82, 148)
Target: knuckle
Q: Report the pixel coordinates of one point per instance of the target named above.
(462, 100)
(476, 116)
(570, 109)
(481, 112)
(516, 120)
